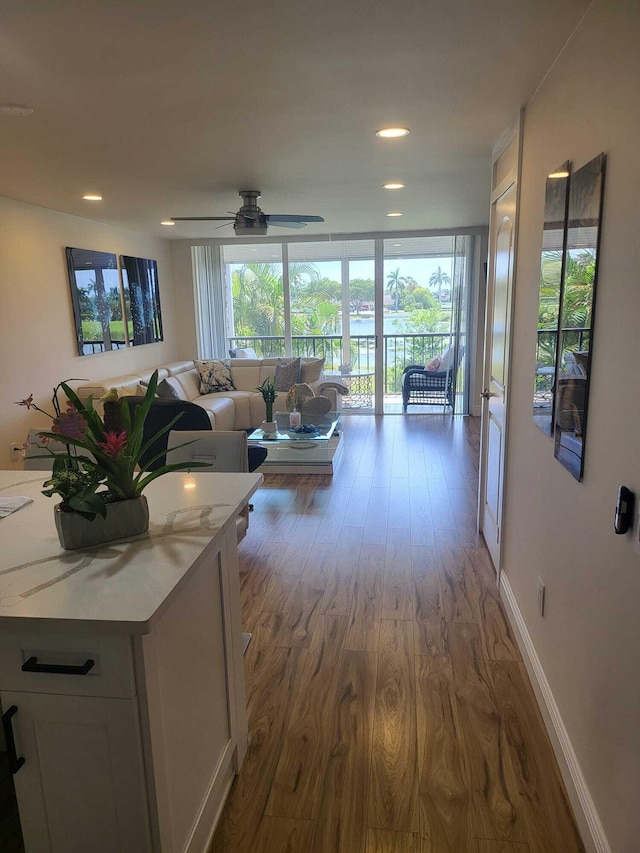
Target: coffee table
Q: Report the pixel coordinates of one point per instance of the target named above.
(301, 453)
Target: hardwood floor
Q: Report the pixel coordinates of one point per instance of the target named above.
(388, 706)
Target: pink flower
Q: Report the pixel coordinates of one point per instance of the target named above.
(71, 425)
(28, 402)
(114, 443)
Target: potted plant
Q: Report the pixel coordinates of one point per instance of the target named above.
(268, 391)
(98, 475)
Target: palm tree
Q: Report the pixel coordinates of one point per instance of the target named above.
(258, 300)
(438, 278)
(577, 299)
(258, 297)
(396, 285)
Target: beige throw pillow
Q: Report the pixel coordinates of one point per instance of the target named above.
(311, 370)
(287, 373)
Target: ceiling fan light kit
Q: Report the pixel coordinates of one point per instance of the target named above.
(250, 221)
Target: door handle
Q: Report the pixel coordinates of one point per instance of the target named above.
(486, 394)
(15, 763)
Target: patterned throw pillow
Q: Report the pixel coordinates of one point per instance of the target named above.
(311, 370)
(441, 363)
(434, 364)
(287, 373)
(215, 375)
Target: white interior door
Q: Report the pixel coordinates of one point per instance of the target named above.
(502, 251)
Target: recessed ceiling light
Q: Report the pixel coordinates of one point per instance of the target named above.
(393, 186)
(92, 197)
(16, 109)
(563, 174)
(167, 222)
(394, 214)
(393, 132)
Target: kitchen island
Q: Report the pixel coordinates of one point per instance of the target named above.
(121, 672)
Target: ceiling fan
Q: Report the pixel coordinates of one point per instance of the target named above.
(250, 220)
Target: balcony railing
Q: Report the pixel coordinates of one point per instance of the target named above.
(93, 347)
(398, 351)
(572, 339)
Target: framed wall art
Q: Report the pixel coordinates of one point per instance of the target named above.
(96, 296)
(141, 299)
(113, 307)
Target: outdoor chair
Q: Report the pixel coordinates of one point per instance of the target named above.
(426, 388)
(422, 387)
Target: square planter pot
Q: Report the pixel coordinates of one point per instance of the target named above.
(124, 519)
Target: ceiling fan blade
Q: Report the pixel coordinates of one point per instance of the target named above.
(295, 224)
(282, 218)
(202, 218)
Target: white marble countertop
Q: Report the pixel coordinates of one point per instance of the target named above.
(116, 587)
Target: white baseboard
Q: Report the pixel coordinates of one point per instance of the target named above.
(584, 809)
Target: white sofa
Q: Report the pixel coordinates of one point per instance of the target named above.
(242, 408)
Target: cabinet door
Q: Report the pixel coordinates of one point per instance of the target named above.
(81, 787)
(195, 701)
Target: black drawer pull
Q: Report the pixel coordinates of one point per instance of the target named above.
(15, 763)
(32, 665)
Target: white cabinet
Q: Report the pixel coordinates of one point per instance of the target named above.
(137, 754)
(193, 701)
(82, 784)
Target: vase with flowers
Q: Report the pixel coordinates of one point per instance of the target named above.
(98, 475)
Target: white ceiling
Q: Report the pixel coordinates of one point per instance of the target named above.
(169, 107)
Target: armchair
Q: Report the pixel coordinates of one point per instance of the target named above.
(161, 413)
(423, 387)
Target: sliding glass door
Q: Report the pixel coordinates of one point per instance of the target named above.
(425, 317)
(333, 312)
(369, 307)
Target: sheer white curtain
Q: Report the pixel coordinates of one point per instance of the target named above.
(210, 301)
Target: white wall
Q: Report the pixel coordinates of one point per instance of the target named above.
(589, 639)
(185, 308)
(37, 332)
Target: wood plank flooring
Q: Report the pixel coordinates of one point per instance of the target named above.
(388, 706)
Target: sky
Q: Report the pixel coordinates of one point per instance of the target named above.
(419, 269)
